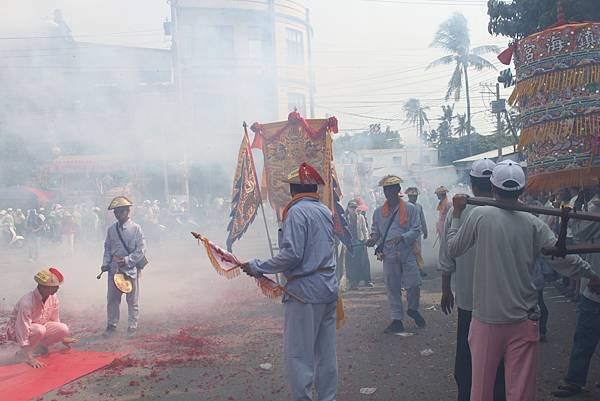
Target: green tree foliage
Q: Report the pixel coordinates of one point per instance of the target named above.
(452, 143)
(519, 18)
(453, 37)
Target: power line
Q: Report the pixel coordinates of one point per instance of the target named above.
(431, 2)
(79, 36)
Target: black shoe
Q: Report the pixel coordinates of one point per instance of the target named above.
(422, 273)
(369, 284)
(396, 327)
(420, 322)
(568, 390)
(131, 331)
(110, 331)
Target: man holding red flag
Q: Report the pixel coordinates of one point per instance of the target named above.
(306, 259)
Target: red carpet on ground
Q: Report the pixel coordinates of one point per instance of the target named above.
(22, 383)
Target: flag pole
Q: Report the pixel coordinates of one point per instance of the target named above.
(262, 208)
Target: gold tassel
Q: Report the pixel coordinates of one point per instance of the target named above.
(555, 180)
(555, 81)
(554, 130)
(228, 273)
(269, 288)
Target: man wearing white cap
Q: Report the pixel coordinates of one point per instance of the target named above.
(462, 268)
(35, 322)
(505, 313)
(307, 261)
(396, 228)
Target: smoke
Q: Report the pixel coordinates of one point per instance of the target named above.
(95, 85)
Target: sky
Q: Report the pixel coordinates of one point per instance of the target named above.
(370, 56)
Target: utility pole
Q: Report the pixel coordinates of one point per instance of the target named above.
(499, 124)
(499, 107)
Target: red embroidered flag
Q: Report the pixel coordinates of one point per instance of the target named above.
(228, 265)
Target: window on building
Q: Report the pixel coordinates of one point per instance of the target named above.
(225, 40)
(368, 159)
(297, 101)
(295, 46)
(397, 160)
(255, 42)
(212, 42)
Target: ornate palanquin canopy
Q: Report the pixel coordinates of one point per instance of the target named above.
(558, 96)
(286, 145)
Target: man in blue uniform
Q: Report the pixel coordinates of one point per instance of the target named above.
(306, 259)
(396, 228)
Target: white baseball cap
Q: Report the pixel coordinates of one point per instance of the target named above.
(506, 171)
(482, 168)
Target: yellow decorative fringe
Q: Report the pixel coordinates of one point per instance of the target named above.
(555, 180)
(269, 288)
(340, 314)
(587, 124)
(556, 81)
(229, 273)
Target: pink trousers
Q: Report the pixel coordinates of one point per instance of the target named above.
(517, 344)
(47, 334)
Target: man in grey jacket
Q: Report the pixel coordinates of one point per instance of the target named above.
(462, 268)
(124, 249)
(505, 317)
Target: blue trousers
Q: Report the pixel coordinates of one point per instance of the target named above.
(309, 350)
(587, 335)
(113, 303)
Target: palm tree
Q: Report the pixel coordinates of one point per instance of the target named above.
(445, 126)
(417, 117)
(448, 116)
(461, 128)
(453, 37)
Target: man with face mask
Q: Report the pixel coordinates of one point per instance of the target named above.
(35, 322)
(124, 252)
(396, 227)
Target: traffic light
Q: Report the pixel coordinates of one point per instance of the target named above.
(506, 78)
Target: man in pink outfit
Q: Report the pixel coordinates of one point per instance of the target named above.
(505, 311)
(35, 323)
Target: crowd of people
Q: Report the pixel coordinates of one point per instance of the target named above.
(52, 225)
(494, 253)
(67, 228)
(499, 274)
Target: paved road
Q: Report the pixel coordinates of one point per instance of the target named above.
(204, 337)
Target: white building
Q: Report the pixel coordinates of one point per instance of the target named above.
(240, 60)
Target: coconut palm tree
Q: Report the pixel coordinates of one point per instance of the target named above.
(453, 37)
(461, 127)
(417, 117)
